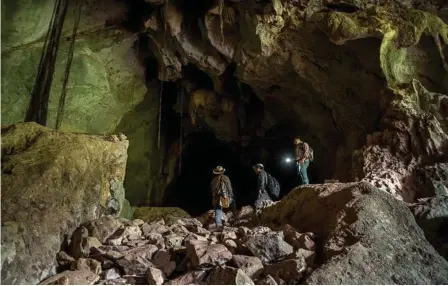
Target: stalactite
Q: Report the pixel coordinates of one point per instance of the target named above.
(38, 108)
(60, 114)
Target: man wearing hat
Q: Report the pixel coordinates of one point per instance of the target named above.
(222, 193)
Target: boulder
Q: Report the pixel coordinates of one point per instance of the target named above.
(432, 216)
(193, 277)
(103, 228)
(173, 240)
(304, 254)
(252, 266)
(86, 264)
(110, 274)
(136, 261)
(268, 247)
(51, 183)
(366, 236)
(202, 253)
(289, 271)
(64, 259)
(77, 277)
(156, 239)
(154, 276)
(225, 275)
(159, 228)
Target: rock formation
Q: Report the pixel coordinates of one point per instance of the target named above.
(363, 82)
(361, 235)
(51, 183)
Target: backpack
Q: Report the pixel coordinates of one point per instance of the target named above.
(273, 187)
(311, 157)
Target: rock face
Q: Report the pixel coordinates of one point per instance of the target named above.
(51, 183)
(432, 216)
(367, 236)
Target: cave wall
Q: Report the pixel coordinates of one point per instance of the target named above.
(106, 78)
(337, 74)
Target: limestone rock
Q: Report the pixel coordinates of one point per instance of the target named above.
(173, 240)
(304, 254)
(156, 239)
(136, 261)
(252, 266)
(202, 253)
(226, 275)
(290, 271)
(110, 274)
(45, 204)
(193, 277)
(357, 224)
(87, 264)
(306, 242)
(64, 259)
(266, 280)
(103, 228)
(292, 236)
(147, 229)
(432, 216)
(268, 247)
(155, 276)
(78, 277)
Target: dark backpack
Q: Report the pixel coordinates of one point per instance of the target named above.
(273, 187)
(311, 158)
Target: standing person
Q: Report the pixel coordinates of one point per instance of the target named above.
(222, 194)
(267, 187)
(303, 155)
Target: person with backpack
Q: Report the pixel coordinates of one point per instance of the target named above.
(303, 155)
(268, 187)
(222, 194)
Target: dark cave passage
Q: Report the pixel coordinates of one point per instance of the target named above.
(203, 152)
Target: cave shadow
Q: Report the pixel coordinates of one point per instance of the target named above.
(202, 153)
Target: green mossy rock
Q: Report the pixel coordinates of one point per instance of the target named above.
(52, 182)
(150, 214)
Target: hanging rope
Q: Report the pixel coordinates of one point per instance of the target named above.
(161, 81)
(60, 114)
(181, 135)
(38, 108)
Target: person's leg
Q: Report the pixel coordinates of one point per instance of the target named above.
(233, 207)
(218, 216)
(300, 180)
(304, 172)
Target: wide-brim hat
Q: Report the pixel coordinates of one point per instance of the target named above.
(259, 165)
(218, 170)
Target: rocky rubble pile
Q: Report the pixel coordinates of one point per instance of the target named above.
(117, 251)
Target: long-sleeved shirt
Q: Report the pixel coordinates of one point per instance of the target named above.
(221, 186)
(302, 151)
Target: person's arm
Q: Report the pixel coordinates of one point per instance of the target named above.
(229, 187)
(262, 181)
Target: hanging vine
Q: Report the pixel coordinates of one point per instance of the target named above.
(60, 113)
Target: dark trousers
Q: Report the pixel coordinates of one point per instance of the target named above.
(302, 169)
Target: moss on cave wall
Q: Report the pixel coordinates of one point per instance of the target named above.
(144, 158)
(106, 80)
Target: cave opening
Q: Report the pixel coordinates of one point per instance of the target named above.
(202, 153)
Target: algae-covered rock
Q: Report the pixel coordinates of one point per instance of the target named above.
(51, 183)
(105, 79)
(127, 211)
(150, 214)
